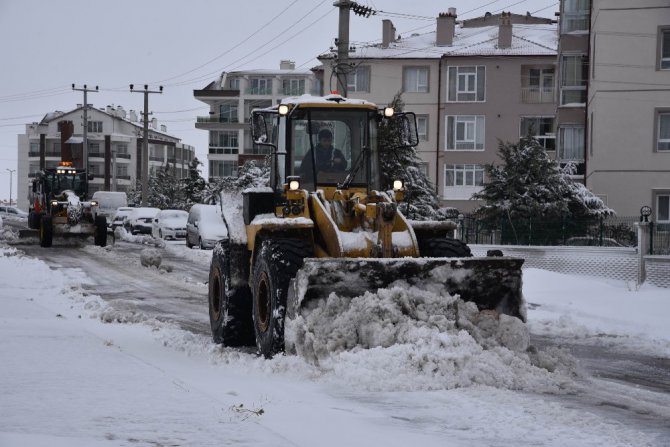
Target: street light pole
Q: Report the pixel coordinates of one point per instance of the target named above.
(11, 171)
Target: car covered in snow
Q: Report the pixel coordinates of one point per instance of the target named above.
(205, 226)
(120, 217)
(13, 213)
(170, 224)
(140, 220)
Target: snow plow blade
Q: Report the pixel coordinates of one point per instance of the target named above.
(492, 283)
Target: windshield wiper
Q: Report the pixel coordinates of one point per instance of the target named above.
(352, 174)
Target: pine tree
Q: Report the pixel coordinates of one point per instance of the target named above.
(528, 185)
(421, 201)
(193, 184)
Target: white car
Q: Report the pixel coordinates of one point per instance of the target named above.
(170, 224)
(140, 220)
(13, 213)
(119, 217)
(205, 226)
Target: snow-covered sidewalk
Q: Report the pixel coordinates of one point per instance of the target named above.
(68, 379)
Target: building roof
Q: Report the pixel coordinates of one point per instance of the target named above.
(527, 40)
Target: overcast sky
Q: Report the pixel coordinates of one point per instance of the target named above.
(46, 46)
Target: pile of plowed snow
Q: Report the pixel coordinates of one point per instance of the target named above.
(413, 339)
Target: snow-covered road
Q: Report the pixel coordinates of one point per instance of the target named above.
(185, 389)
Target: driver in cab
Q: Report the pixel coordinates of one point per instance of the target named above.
(328, 158)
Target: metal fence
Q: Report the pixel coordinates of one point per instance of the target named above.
(605, 232)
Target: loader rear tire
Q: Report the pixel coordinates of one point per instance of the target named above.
(277, 263)
(100, 235)
(444, 247)
(46, 231)
(229, 308)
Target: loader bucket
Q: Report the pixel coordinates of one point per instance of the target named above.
(492, 283)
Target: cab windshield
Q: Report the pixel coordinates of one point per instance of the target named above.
(57, 183)
(330, 145)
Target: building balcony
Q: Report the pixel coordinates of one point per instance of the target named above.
(152, 158)
(536, 95)
(124, 156)
(96, 155)
(223, 150)
(293, 91)
(258, 91)
(123, 177)
(216, 119)
(261, 150)
(33, 154)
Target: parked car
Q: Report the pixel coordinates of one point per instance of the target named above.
(170, 224)
(205, 226)
(119, 218)
(108, 203)
(140, 220)
(13, 212)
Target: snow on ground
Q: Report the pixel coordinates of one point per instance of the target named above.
(68, 379)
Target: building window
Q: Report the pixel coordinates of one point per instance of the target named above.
(415, 79)
(422, 127)
(664, 49)
(575, 16)
(358, 80)
(463, 175)
(538, 86)
(95, 126)
(541, 128)
(466, 84)
(122, 170)
(34, 150)
(224, 142)
(663, 138)
(234, 84)
(574, 76)
(260, 86)
(423, 168)
(121, 148)
(228, 113)
(465, 132)
(571, 144)
(222, 168)
(293, 87)
(663, 208)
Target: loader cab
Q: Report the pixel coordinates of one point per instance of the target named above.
(58, 180)
(295, 131)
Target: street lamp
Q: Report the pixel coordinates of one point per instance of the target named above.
(11, 171)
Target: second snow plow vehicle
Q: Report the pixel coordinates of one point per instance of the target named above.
(325, 225)
(58, 207)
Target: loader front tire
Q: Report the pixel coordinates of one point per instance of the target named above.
(46, 231)
(100, 235)
(276, 264)
(229, 308)
(444, 247)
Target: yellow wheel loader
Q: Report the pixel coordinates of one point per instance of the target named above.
(326, 225)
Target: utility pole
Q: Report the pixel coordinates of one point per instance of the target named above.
(145, 148)
(84, 155)
(11, 171)
(342, 67)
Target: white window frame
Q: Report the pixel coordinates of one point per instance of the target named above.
(663, 49)
(418, 81)
(122, 170)
(665, 142)
(580, 76)
(466, 83)
(541, 138)
(358, 80)
(232, 113)
(293, 87)
(260, 86)
(663, 218)
(422, 127)
(463, 175)
(219, 168)
(234, 83)
(565, 135)
(471, 127)
(95, 126)
(575, 16)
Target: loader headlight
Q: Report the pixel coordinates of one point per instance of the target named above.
(388, 112)
(94, 203)
(54, 203)
(283, 109)
(397, 185)
(293, 182)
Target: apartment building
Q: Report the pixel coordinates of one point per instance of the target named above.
(471, 83)
(232, 98)
(628, 156)
(115, 141)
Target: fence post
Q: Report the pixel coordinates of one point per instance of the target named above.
(459, 229)
(642, 244)
(600, 231)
